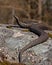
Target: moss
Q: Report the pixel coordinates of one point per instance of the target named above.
(50, 35)
(5, 63)
(25, 30)
(8, 63)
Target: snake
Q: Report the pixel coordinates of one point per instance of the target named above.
(38, 29)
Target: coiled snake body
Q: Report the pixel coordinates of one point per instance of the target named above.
(37, 29)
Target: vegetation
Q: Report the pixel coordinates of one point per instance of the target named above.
(8, 63)
(50, 35)
(26, 9)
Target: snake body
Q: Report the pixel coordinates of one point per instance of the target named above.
(37, 29)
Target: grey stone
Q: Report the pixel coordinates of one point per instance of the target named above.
(37, 55)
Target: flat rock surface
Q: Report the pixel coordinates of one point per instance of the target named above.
(12, 40)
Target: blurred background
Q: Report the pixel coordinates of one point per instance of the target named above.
(35, 10)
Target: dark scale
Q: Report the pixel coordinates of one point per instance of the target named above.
(37, 29)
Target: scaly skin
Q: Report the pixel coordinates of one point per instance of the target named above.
(37, 29)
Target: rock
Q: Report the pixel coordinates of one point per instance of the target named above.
(37, 55)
